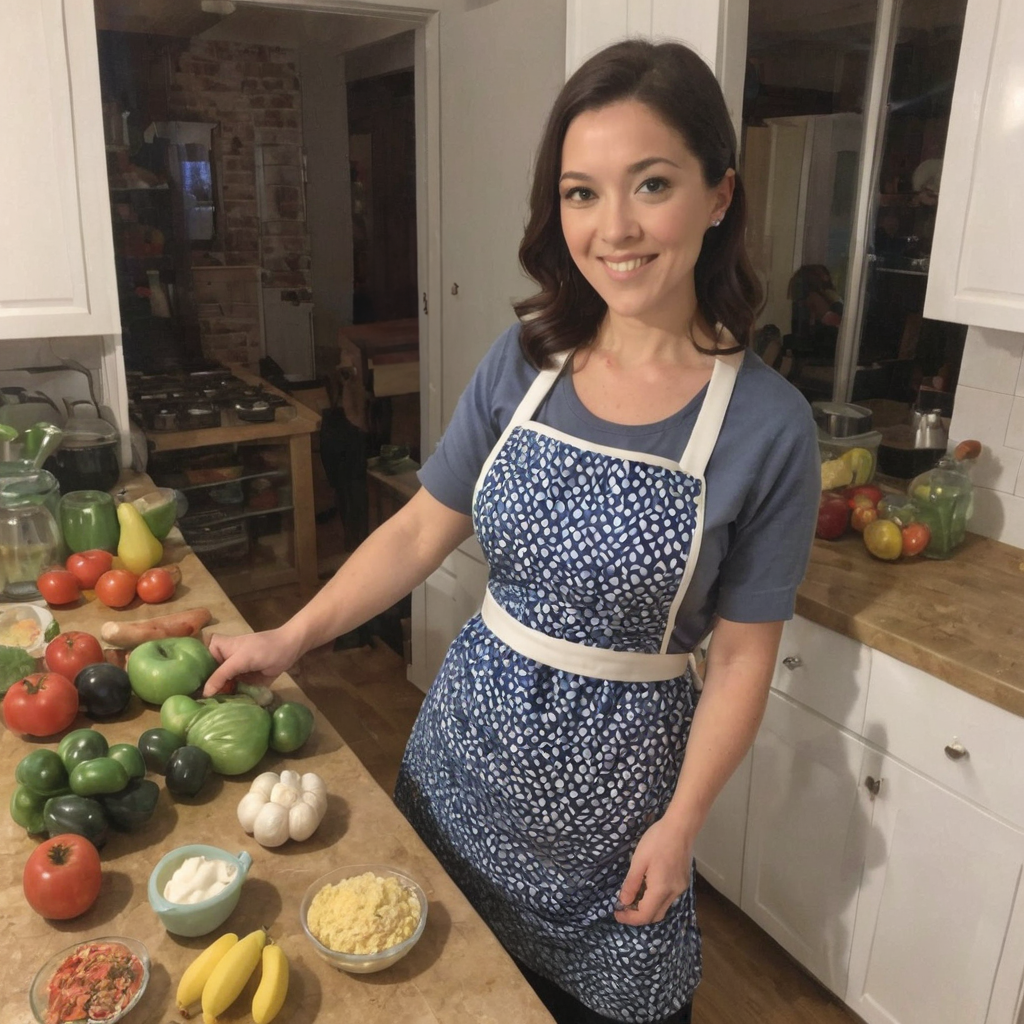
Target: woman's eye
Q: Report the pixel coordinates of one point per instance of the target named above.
(653, 185)
(579, 194)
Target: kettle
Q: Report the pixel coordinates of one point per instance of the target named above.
(929, 430)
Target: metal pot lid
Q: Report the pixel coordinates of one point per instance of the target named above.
(89, 433)
(842, 419)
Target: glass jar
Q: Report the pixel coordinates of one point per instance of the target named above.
(29, 544)
(943, 499)
(88, 520)
(37, 487)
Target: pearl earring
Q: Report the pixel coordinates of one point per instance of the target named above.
(715, 223)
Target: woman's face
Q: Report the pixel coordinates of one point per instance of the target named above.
(634, 209)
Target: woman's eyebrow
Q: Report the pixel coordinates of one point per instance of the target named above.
(637, 168)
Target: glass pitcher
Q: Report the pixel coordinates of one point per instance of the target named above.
(29, 544)
(943, 499)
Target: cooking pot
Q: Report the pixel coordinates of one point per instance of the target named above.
(87, 459)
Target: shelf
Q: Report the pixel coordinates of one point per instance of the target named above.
(140, 188)
(234, 517)
(897, 270)
(269, 474)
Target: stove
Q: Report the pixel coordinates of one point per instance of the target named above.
(196, 399)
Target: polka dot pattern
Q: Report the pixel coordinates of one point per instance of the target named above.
(533, 785)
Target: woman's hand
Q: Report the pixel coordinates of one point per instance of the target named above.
(658, 874)
(265, 654)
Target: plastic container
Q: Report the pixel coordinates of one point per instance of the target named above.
(192, 919)
(943, 499)
(835, 447)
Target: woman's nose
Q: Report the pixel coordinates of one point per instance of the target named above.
(619, 223)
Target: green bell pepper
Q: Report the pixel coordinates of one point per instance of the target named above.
(27, 810)
(133, 806)
(156, 746)
(97, 776)
(43, 772)
(131, 759)
(290, 726)
(81, 745)
(187, 769)
(179, 711)
(79, 814)
(235, 734)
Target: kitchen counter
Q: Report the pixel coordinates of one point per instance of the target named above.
(456, 974)
(961, 619)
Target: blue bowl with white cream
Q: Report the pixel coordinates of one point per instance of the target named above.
(194, 889)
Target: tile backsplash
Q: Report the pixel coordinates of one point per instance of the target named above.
(990, 407)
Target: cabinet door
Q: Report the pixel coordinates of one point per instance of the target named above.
(719, 846)
(940, 921)
(56, 261)
(807, 831)
(976, 274)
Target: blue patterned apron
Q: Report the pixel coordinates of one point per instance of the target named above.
(555, 730)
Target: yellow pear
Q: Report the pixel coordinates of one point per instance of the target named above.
(138, 549)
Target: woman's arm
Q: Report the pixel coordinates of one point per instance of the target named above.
(399, 555)
(739, 670)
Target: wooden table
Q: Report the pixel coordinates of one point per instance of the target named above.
(456, 974)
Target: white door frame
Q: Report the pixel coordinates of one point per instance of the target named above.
(427, 76)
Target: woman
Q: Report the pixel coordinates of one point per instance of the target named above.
(618, 429)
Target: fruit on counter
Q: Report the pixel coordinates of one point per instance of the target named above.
(833, 516)
(88, 566)
(187, 770)
(230, 974)
(43, 772)
(898, 508)
(130, 758)
(68, 653)
(155, 586)
(282, 807)
(915, 538)
(79, 814)
(193, 981)
(156, 747)
(235, 733)
(966, 450)
(273, 986)
(179, 711)
(884, 539)
(861, 515)
(137, 548)
(62, 877)
(291, 724)
(15, 664)
(81, 745)
(159, 668)
(835, 473)
(159, 510)
(58, 587)
(863, 494)
(861, 463)
(116, 588)
(40, 705)
(161, 627)
(104, 690)
(97, 777)
(133, 806)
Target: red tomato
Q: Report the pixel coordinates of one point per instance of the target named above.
(58, 586)
(68, 653)
(871, 492)
(155, 585)
(116, 588)
(62, 877)
(88, 566)
(41, 704)
(862, 515)
(915, 538)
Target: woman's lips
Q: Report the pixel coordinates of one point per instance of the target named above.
(623, 269)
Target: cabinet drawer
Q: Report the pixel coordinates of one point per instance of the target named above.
(916, 718)
(824, 671)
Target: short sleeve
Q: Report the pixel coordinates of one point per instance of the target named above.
(772, 536)
(484, 408)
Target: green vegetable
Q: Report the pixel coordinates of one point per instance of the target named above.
(131, 759)
(133, 806)
(27, 810)
(15, 664)
(291, 725)
(79, 814)
(52, 631)
(81, 745)
(43, 772)
(156, 746)
(235, 735)
(179, 711)
(158, 669)
(98, 776)
(187, 770)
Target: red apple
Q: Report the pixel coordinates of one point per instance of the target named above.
(833, 516)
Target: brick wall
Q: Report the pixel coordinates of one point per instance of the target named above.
(252, 93)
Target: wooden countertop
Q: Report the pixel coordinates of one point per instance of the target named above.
(456, 974)
(961, 619)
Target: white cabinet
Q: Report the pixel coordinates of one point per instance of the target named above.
(57, 260)
(718, 849)
(977, 263)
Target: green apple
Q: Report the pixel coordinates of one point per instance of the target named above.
(158, 669)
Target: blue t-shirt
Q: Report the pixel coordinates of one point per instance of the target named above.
(763, 479)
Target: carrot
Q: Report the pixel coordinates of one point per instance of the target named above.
(131, 634)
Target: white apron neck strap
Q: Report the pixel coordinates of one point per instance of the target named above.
(712, 414)
(537, 390)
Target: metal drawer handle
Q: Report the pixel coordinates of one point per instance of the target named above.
(793, 662)
(956, 751)
(873, 785)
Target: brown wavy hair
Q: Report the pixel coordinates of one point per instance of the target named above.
(680, 88)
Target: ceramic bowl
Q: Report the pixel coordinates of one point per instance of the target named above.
(192, 919)
(367, 963)
(25, 626)
(38, 994)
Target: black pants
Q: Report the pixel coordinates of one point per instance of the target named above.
(568, 1010)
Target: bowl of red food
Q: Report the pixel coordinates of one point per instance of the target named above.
(92, 981)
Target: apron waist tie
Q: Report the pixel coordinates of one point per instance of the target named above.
(581, 659)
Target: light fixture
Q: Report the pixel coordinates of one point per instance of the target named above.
(221, 7)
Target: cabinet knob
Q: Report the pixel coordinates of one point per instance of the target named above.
(873, 785)
(793, 662)
(956, 751)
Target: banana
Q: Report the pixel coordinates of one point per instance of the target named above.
(190, 988)
(273, 985)
(228, 978)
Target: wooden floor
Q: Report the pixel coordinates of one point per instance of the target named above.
(363, 692)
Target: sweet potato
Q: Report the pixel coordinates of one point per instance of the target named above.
(131, 634)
